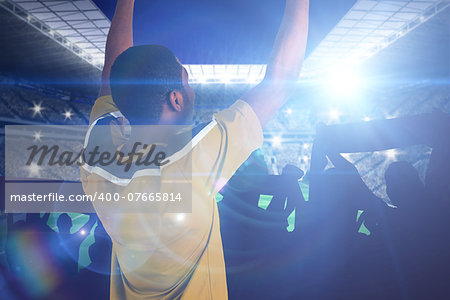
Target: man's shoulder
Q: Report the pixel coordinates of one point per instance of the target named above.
(102, 106)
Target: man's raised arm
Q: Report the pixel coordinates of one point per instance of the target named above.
(283, 69)
(120, 38)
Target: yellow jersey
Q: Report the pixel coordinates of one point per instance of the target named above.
(160, 255)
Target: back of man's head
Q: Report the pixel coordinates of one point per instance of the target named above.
(141, 80)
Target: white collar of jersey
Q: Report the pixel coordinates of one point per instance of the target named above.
(143, 172)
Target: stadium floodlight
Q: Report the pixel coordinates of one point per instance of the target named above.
(254, 80)
(225, 80)
(201, 80)
(225, 74)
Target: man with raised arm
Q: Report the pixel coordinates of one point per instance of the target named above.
(168, 255)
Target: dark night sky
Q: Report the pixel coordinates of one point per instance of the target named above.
(222, 32)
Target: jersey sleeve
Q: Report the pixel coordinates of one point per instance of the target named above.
(225, 144)
(103, 105)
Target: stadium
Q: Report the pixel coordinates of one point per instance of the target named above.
(376, 76)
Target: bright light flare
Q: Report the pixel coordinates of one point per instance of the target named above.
(180, 217)
(334, 115)
(37, 135)
(344, 83)
(67, 114)
(33, 169)
(391, 154)
(37, 109)
(276, 141)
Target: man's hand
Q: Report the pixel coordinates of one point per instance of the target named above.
(283, 69)
(120, 38)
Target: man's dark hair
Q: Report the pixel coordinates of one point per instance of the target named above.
(141, 79)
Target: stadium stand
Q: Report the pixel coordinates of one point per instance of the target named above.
(26, 102)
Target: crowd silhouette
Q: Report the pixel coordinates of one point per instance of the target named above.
(405, 255)
(43, 263)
